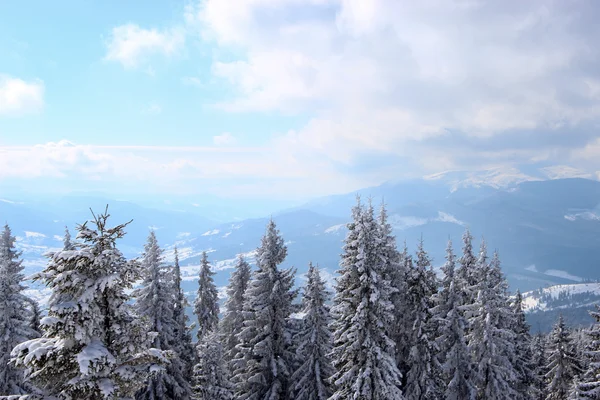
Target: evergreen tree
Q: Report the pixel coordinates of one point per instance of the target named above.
(36, 316)
(154, 303)
(523, 361)
(363, 354)
(67, 243)
(589, 387)
(454, 354)
(206, 306)
(311, 379)
(182, 345)
(233, 318)
(490, 343)
(424, 380)
(538, 349)
(93, 347)
(467, 273)
(262, 364)
(15, 316)
(211, 379)
(563, 366)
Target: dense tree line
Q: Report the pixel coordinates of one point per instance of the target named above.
(393, 329)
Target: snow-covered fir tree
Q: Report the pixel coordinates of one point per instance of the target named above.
(523, 361)
(206, 306)
(15, 314)
(211, 375)
(563, 365)
(394, 264)
(453, 352)
(538, 349)
(262, 365)
(363, 355)
(424, 378)
(94, 346)
(311, 379)
(467, 273)
(67, 242)
(233, 318)
(490, 343)
(182, 345)
(589, 385)
(36, 316)
(155, 304)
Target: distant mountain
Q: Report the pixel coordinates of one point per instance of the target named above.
(574, 301)
(547, 232)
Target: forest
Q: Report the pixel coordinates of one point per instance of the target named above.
(392, 329)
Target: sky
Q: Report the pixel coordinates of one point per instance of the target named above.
(292, 99)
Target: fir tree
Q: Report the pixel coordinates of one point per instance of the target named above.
(262, 364)
(490, 343)
(233, 318)
(467, 274)
(183, 345)
(424, 376)
(67, 243)
(363, 354)
(311, 379)
(454, 354)
(206, 306)
(523, 361)
(563, 366)
(538, 349)
(211, 379)
(93, 346)
(589, 387)
(154, 303)
(36, 316)
(15, 316)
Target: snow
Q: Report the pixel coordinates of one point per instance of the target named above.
(89, 355)
(211, 233)
(335, 228)
(531, 268)
(563, 274)
(532, 300)
(444, 217)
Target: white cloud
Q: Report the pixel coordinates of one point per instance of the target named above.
(131, 45)
(152, 109)
(385, 76)
(224, 139)
(20, 97)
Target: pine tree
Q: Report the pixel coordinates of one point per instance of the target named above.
(211, 378)
(183, 345)
(15, 316)
(589, 387)
(563, 366)
(394, 263)
(67, 243)
(206, 306)
(363, 355)
(490, 343)
(523, 361)
(538, 349)
(424, 380)
(467, 273)
(454, 354)
(262, 364)
(93, 346)
(311, 379)
(233, 318)
(154, 303)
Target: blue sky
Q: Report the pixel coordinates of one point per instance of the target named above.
(293, 98)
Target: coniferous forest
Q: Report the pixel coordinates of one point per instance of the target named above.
(392, 329)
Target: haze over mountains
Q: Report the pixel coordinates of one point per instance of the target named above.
(547, 232)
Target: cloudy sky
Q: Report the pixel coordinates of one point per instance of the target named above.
(293, 98)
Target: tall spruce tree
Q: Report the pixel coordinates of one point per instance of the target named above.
(589, 386)
(523, 360)
(364, 355)
(211, 376)
(67, 242)
(424, 378)
(453, 352)
(563, 365)
(538, 349)
(94, 346)
(262, 364)
(311, 379)
(206, 306)
(15, 314)
(490, 343)
(233, 317)
(155, 304)
(182, 345)
(467, 274)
